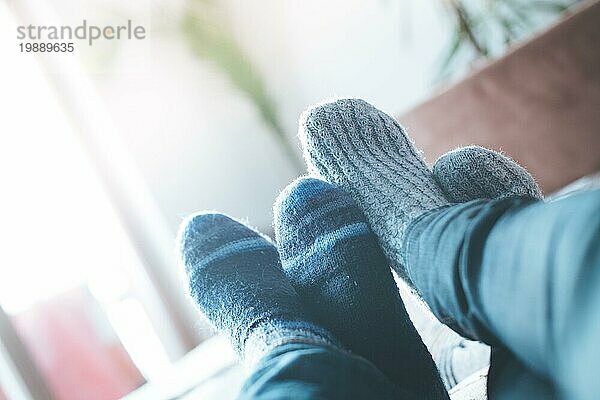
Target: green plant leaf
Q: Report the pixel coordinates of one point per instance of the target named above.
(210, 39)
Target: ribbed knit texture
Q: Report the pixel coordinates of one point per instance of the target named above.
(235, 278)
(473, 172)
(366, 152)
(334, 262)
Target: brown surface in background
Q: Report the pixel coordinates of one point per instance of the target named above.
(540, 104)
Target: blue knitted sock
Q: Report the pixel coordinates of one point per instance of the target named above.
(335, 264)
(474, 172)
(235, 278)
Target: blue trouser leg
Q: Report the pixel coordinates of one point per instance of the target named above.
(306, 371)
(519, 274)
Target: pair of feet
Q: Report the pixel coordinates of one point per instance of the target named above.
(327, 281)
(366, 152)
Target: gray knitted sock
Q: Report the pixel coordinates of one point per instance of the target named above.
(473, 172)
(352, 144)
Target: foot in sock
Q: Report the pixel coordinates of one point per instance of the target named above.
(473, 172)
(235, 278)
(363, 150)
(334, 262)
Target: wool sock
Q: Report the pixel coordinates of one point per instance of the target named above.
(235, 278)
(363, 150)
(334, 262)
(473, 172)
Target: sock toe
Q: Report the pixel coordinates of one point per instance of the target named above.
(306, 209)
(474, 172)
(295, 199)
(203, 234)
(353, 133)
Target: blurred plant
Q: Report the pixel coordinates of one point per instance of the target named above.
(486, 28)
(209, 35)
(483, 29)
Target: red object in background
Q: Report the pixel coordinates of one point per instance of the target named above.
(76, 349)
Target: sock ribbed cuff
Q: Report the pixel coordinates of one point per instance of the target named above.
(271, 334)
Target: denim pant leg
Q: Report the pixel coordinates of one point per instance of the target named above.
(306, 371)
(518, 274)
